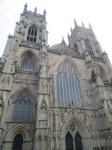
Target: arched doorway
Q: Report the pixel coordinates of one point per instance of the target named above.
(78, 142)
(17, 142)
(69, 142)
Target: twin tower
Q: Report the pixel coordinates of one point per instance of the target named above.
(54, 98)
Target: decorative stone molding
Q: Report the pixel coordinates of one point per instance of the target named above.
(30, 45)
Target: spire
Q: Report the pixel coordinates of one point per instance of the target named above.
(75, 23)
(83, 25)
(90, 27)
(71, 30)
(44, 13)
(63, 41)
(25, 7)
(68, 35)
(35, 10)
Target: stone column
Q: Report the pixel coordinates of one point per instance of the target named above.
(63, 146)
(74, 144)
(57, 121)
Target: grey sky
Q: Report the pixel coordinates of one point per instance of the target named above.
(60, 18)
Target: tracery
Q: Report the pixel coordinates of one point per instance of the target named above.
(75, 48)
(68, 86)
(22, 107)
(28, 63)
(32, 34)
(89, 47)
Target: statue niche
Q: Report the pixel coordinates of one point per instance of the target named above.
(43, 116)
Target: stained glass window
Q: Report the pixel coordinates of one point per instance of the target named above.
(72, 127)
(78, 142)
(22, 107)
(32, 34)
(68, 86)
(69, 142)
(28, 63)
(17, 142)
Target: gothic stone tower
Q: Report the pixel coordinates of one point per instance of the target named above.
(54, 98)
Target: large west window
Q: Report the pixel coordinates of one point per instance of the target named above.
(28, 63)
(22, 107)
(32, 34)
(68, 86)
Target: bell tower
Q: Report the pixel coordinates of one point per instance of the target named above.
(82, 39)
(30, 31)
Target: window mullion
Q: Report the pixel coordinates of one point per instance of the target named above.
(75, 90)
(59, 91)
(66, 91)
(24, 110)
(69, 88)
(78, 93)
(72, 88)
(63, 89)
(19, 110)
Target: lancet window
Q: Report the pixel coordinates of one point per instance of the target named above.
(69, 142)
(32, 34)
(22, 107)
(28, 63)
(68, 86)
(78, 142)
(89, 47)
(75, 48)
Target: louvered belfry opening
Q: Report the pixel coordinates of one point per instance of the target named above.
(17, 142)
(78, 142)
(32, 34)
(89, 47)
(69, 142)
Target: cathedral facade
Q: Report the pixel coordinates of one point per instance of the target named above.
(58, 97)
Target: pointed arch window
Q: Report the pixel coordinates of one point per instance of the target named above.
(28, 63)
(75, 48)
(32, 34)
(89, 47)
(22, 107)
(78, 142)
(69, 142)
(68, 86)
(17, 142)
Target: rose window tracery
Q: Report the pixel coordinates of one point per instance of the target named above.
(72, 127)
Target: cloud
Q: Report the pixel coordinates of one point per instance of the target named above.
(1, 8)
(1, 22)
